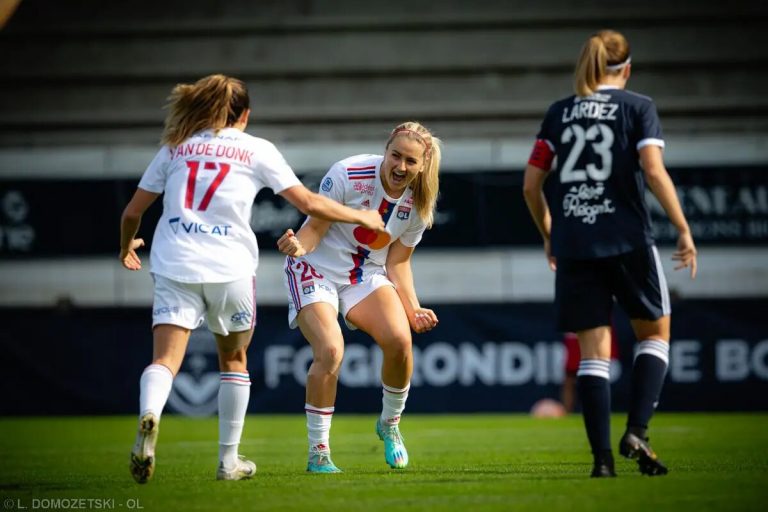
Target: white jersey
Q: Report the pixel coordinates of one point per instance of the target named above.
(210, 182)
(348, 253)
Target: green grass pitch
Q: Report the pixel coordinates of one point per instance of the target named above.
(458, 463)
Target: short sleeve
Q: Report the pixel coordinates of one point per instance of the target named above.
(154, 177)
(333, 183)
(412, 236)
(275, 171)
(649, 126)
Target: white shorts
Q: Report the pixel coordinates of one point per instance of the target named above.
(306, 286)
(228, 307)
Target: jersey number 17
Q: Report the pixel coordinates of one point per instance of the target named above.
(194, 166)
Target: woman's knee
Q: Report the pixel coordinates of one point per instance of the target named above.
(234, 342)
(233, 360)
(398, 346)
(658, 329)
(328, 358)
(169, 345)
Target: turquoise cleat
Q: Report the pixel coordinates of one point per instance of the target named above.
(320, 462)
(394, 448)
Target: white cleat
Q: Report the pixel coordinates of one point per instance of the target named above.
(143, 453)
(243, 470)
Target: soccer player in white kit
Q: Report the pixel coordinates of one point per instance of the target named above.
(204, 253)
(366, 276)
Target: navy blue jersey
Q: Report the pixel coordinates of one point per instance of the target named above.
(597, 200)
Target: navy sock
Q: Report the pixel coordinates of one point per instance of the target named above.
(648, 374)
(595, 396)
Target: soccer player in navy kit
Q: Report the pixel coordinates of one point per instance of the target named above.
(608, 144)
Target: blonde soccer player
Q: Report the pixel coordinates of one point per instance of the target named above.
(367, 277)
(601, 146)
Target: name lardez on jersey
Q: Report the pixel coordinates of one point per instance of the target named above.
(348, 253)
(597, 201)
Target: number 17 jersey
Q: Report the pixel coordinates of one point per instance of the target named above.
(210, 182)
(597, 198)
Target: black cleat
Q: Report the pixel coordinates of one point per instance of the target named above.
(603, 465)
(634, 447)
(600, 470)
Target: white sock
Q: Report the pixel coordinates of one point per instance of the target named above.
(234, 392)
(393, 403)
(155, 386)
(319, 426)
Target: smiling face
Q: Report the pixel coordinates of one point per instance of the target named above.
(403, 162)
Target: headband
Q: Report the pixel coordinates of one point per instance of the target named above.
(408, 131)
(616, 67)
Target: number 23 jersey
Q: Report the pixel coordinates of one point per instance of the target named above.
(597, 198)
(348, 253)
(209, 183)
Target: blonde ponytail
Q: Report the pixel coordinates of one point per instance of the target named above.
(605, 52)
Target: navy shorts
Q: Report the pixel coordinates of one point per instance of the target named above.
(585, 289)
